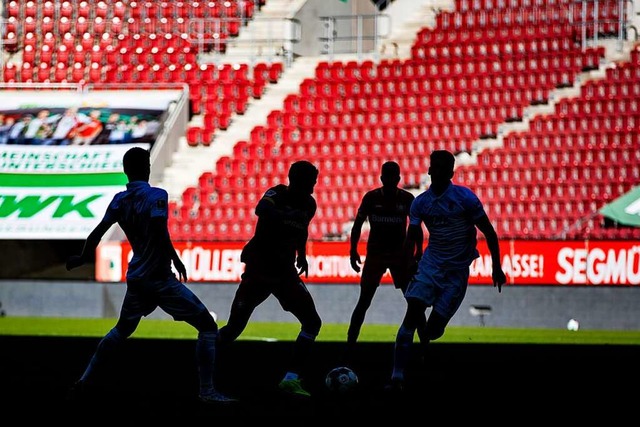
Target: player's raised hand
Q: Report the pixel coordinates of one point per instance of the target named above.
(74, 261)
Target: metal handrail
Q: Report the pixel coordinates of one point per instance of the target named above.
(334, 42)
(269, 45)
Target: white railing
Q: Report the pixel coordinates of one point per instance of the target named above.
(352, 34)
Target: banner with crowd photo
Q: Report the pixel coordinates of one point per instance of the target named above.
(61, 155)
(69, 120)
(555, 263)
(57, 194)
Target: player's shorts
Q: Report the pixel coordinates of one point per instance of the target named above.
(171, 295)
(443, 290)
(376, 265)
(285, 284)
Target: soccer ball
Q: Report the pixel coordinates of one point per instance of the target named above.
(573, 325)
(341, 380)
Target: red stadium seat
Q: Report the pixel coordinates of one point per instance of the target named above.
(64, 26)
(30, 24)
(11, 25)
(62, 54)
(44, 72)
(84, 10)
(47, 24)
(10, 73)
(69, 41)
(61, 73)
(10, 42)
(48, 9)
(275, 71)
(46, 54)
(82, 25)
(194, 136)
(66, 9)
(95, 72)
(13, 9)
(30, 9)
(99, 26)
(86, 41)
(29, 54)
(49, 39)
(26, 72)
(77, 72)
(101, 10)
(79, 54)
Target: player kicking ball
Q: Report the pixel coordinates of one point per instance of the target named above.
(142, 211)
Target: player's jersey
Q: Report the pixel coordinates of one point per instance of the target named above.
(276, 241)
(387, 214)
(133, 209)
(450, 220)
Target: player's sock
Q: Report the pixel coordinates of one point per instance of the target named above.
(205, 356)
(401, 354)
(301, 351)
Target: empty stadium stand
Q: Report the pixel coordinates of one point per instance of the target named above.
(483, 67)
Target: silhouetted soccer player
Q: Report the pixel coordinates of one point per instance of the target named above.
(141, 212)
(274, 259)
(387, 210)
(451, 214)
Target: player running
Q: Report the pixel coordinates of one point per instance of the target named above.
(141, 211)
(451, 214)
(274, 259)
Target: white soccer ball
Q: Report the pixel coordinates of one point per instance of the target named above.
(341, 380)
(573, 325)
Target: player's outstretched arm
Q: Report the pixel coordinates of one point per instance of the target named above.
(90, 245)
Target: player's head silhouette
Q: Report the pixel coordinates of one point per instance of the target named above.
(303, 176)
(441, 166)
(390, 174)
(137, 164)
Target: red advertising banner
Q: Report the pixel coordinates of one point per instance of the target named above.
(561, 263)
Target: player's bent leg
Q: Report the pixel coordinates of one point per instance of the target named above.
(203, 322)
(421, 330)
(107, 346)
(126, 327)
(435, 326)
(238, 320)
(248, 296)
